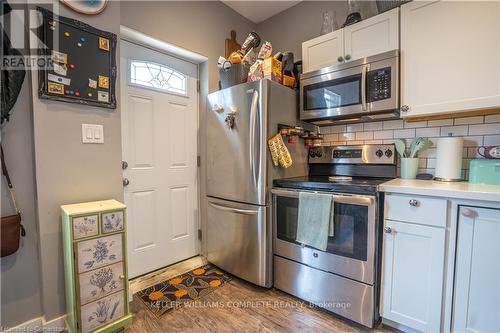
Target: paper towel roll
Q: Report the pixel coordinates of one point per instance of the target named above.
(449, 158)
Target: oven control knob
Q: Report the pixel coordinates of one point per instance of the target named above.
(379, 153)
(388, 153)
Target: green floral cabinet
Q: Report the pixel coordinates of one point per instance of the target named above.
(95, 263)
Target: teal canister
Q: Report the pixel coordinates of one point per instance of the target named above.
(484, 171)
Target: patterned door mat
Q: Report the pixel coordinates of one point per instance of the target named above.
(187, 287)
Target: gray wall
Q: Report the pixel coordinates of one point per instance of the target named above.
(20, 283)
(288, 29)
(68, 171)
(198, 26)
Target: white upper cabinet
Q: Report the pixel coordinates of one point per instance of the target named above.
(375, 35)
(323, 51)
(450, 56)
(372, 36)
(477, 275)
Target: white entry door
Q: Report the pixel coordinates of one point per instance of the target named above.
(159, 106)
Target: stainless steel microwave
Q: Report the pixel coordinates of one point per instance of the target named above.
(361, 90)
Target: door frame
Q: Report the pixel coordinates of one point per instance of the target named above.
(143, 40)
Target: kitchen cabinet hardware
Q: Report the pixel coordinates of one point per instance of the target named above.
(315, 255)
(126, 182)
(124, 165)
(405, 108)
(414, 202)
(347, 57)
(388, 230)
(467, 212)
(340, 59)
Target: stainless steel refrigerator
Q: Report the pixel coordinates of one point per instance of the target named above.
(240, 172)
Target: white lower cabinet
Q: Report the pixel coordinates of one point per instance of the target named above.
(477, 271)
(413, 271)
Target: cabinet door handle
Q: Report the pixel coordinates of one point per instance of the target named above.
(122, 277)
(405, 108)
(414, 202)
(347, 57)
(388, 230)
(126, 182)
(340, 59)
(467, 212)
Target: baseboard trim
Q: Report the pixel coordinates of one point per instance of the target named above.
(39, 325)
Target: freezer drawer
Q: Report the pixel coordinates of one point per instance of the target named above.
(238, 241)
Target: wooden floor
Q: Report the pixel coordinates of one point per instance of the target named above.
(241, 307)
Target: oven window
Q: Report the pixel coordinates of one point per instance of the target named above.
(333, 94)
(350, 227)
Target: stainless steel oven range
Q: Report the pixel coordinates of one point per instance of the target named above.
(344, 278)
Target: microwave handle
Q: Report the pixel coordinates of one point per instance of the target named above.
(363, 86)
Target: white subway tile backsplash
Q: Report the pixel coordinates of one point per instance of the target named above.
(484, 129)
(455, 130)
(404, 133)
(392, 124)
(415, 124)
(339, 143)
(354, 127)
(364, 135)
(374, 142)
(469, 120)
(422, 163)
(431, 163)
(347, 136)
(388, 142)
(440, 122)
(428, 132)
(331, 137)
(389, 134)
(494, 118)
(337, 129)
(472, 153)
(472, 141)
(355, 142)
(373, 126)
(491, 140)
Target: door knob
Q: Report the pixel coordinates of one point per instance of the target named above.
(387, 230)
(124, 165)
(126, 181)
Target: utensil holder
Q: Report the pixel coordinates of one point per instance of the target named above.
(409, 167)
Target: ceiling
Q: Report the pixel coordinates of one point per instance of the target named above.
(258, 11)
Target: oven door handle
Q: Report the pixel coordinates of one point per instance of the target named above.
(355, 200)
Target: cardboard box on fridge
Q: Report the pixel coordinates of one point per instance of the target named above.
(271, 69)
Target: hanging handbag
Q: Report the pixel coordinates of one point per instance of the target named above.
(11, 227)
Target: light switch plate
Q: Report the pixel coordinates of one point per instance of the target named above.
(92, 133)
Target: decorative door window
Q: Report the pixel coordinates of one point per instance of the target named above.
(85, 226)
(112, 222)
(158, 77)
(99, 252)
(101, 312)
(101, 282)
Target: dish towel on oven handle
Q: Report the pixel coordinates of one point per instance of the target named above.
(279, 152)
(315, 222)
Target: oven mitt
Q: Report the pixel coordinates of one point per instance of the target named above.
(279, 152)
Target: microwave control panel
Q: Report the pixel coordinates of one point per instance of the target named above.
(379, 84)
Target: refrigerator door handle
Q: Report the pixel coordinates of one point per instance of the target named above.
(253, 122)
(233, 210)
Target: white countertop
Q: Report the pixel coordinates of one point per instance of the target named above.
(458, 190)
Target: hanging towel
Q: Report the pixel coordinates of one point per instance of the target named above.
(315, 221)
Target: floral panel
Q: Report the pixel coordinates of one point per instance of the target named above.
(99, 252)
(100, 282)
(112, 222)
(102, 312)
(85, 226)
